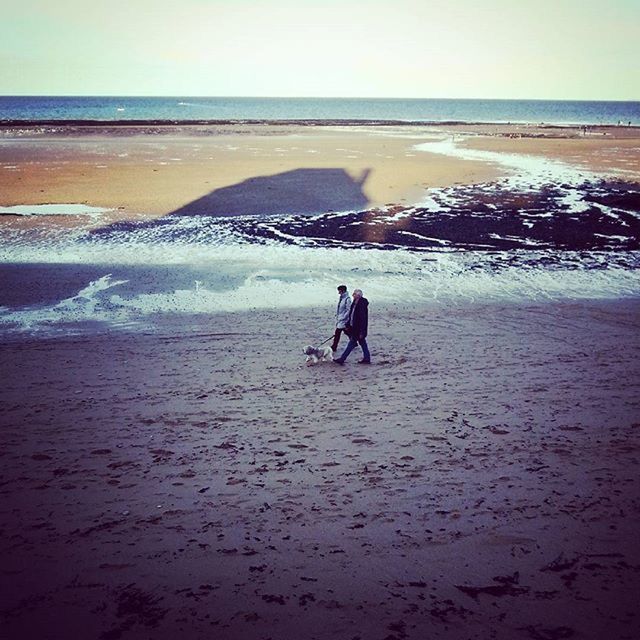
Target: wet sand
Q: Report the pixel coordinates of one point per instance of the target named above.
(617, 156)
(150, 171)
(159, 174)
(479, 480)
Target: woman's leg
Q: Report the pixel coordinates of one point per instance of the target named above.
(336, 339)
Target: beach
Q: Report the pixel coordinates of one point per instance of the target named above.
(139, 173)
(478, 480)
(149, 171)
(171, 465)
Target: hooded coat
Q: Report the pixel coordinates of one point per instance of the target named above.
(359, 318)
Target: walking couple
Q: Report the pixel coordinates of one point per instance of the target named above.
(352, 318)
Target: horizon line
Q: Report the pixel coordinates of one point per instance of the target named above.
(273, 97)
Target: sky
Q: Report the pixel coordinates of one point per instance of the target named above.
(544, 49)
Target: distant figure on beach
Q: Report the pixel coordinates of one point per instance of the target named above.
(342, 315)
(357, 329)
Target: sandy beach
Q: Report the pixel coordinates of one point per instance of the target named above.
(157, 174)
(170, 465)
(479, 480)
(150, 171)
(196, 197)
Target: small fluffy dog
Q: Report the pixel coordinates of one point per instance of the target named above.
(315, 355)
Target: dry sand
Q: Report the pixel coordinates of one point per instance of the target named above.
(479, 480)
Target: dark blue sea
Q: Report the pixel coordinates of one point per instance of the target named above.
(35, 108)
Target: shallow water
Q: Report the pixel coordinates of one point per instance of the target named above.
(546, 231)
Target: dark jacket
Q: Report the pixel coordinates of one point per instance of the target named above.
(359, 318)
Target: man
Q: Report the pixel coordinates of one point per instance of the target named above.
(342, 315)
(357, 329)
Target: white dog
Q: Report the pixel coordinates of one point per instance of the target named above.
(315, 355)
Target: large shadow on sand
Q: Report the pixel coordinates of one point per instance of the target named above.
(299, 191)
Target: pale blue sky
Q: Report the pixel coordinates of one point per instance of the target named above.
(555, 49)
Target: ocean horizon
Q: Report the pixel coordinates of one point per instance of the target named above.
(431, 110)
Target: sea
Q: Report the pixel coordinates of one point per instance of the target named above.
(38, 108)
(545, 231)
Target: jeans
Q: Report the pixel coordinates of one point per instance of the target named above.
(353, 341)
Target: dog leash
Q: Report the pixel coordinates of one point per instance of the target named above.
(327, 340)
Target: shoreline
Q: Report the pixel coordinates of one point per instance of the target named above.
(190, 324)
(83, 124)
(74, 299)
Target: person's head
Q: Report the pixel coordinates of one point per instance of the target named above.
(342, 289)
(357, 294)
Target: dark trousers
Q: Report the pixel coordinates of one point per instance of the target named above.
(336, 338)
